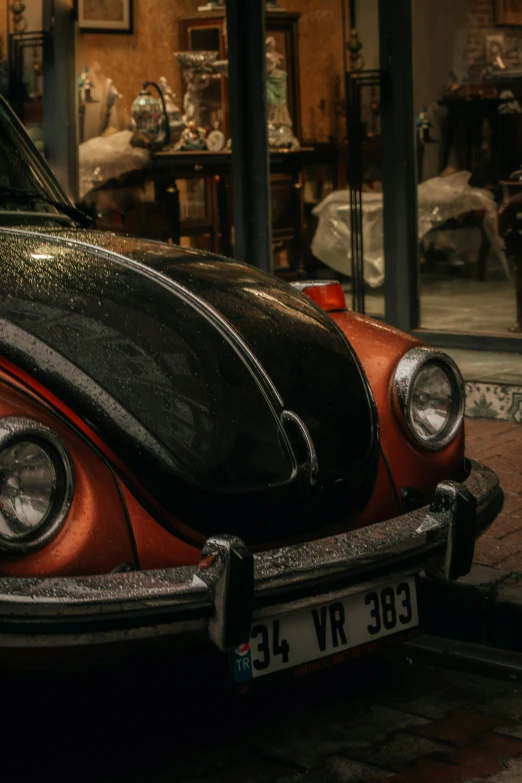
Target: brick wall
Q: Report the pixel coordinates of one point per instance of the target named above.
(481, 22)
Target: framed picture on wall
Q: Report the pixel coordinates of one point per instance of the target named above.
(508, 12)
(105, 16)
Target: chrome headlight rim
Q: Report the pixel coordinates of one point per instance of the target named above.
(17, 429)
(406, 374)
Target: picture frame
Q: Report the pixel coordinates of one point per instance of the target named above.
(508, 13)
(105, 16)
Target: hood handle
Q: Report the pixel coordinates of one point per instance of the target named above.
(306, 455)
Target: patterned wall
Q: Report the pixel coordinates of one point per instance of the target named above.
(128, 60)
(321, 60)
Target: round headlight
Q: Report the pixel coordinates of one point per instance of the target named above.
(35, 484)
(430, 392)
(27, 488)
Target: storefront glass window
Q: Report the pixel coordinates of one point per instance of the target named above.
(153, 124)
(176, 186)
(312, 206)
(468, 72)
(21, 64)
(154, 131)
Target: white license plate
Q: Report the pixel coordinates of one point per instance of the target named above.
(326, 631)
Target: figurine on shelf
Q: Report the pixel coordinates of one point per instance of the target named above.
(37, 69)
(197, 72)
(424, 126)
(216, 139)
(85, 86)
(112, 96)
(196, 83)
(19, 21)
(373, 128)
(280, 132)
(175, 119)
(192, 138)
(213, 5)
(494, 52)
(354, 46)
(85, 97)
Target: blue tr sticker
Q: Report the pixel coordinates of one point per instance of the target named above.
(242, 663)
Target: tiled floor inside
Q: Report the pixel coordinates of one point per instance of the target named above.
(489, 366)
(465, 305)
(457, 305)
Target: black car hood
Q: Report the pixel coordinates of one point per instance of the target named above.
(231, 397)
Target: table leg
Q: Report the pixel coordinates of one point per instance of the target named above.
(420, 161)
(298, 221)
(518, 294)
(482, 254)
(448, 136)
(222, 192)
(166, 192)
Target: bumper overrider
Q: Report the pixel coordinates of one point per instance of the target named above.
(219, 597)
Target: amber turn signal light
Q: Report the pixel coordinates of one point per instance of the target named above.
(328, 294)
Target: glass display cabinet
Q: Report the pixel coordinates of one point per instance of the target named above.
(208, 32)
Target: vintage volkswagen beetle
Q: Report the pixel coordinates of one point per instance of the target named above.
(191, 447)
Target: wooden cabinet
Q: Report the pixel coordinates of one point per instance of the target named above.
(207, 32)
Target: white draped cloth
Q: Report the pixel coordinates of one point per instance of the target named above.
(438, 200)
(106, 157)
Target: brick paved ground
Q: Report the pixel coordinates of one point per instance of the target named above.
(379, 720)
(499, 445)
(373, 721)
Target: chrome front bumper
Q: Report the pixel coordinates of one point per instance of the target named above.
(229, 587)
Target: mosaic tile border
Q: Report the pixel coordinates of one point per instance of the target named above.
(493, 401)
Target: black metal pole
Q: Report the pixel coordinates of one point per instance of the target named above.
(398, 164)
(355, 173)
(353, 19)
(248, 124)
(60, 118)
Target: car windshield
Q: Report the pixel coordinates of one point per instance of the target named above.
(26, 188)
